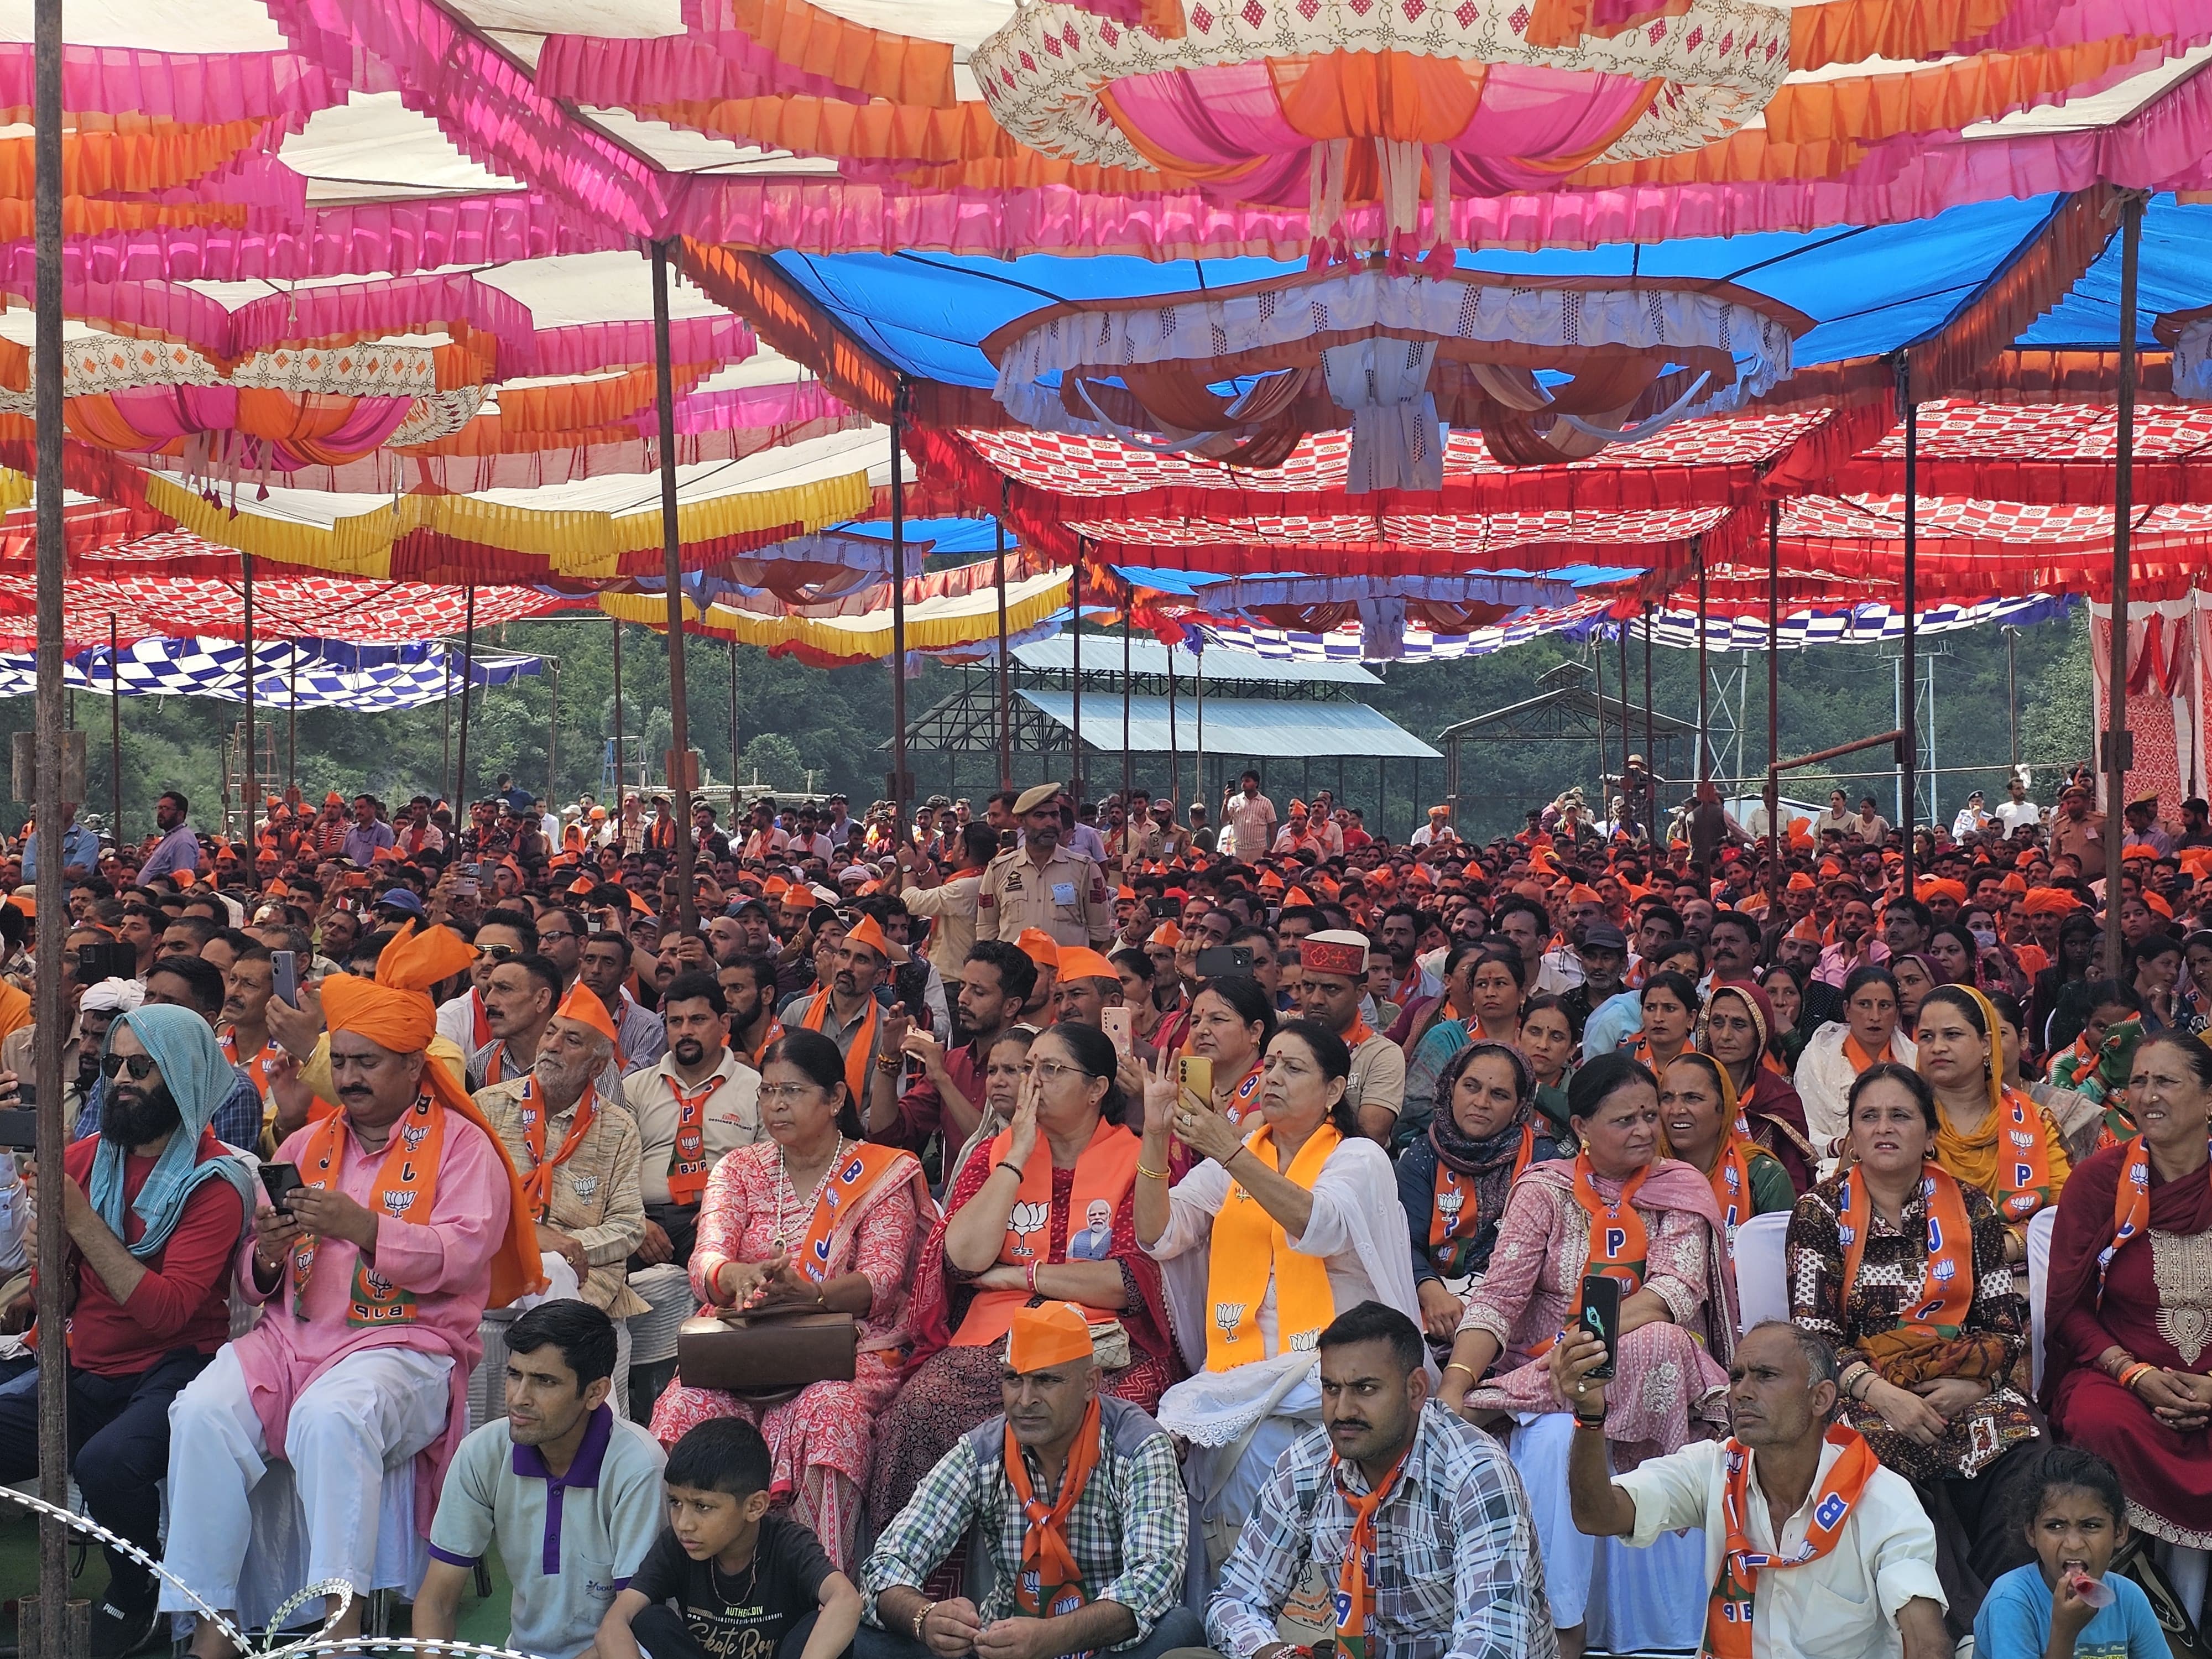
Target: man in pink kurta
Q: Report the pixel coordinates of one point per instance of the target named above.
(374, 1280)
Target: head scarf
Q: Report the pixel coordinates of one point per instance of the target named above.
(199, 1079)
(1490, 1162)
(394, 1011)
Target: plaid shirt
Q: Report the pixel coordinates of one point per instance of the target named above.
(1455, 1571)
(1129, 1531)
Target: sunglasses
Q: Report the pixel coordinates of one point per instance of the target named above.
(140, 1066)
(498, 952)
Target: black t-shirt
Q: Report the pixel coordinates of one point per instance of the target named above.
(747, 1615)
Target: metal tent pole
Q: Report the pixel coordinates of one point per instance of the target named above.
(614, 807)
(1198, 695)
(2012, 691)
(292, 719)
(553, 738)
(468, 677)
(1006, 653)
(2124, 493)
(1908, 714)
(1075, 679)
(250, 795)
(1620, 635)
(115, 731)
(672, 562)
(1773, 712)
(1175, 754)
(733, 733)
(898, 790)
(1704, 767)
(1650, 748)
(446, 709)
(1129, 777)
(50, 1012)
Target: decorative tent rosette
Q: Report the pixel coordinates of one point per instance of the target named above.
(1280, 102)
(1404, 357)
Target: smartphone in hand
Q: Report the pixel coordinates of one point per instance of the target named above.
(1120, 1025)
(1601, 1319)
(280, 1181)
(285, 965)
(1195, 1073)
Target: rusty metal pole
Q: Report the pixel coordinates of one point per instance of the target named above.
(898, 790)
(1773, 712)
(250, 795)
(114, 731)
(1006, 667)
(614, 807)
(672, 550)
(468, 677)
(2124, 495)
(50, 1012)
(1908, 714)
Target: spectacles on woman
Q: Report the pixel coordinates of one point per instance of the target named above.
(1049, 1069)
(793, 1092)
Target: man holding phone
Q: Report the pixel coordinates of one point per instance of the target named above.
(155, 1208)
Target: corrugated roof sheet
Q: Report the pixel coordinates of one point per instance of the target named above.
(1238, 726)
(1103, 655)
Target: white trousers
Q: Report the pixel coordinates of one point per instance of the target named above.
(1633, 1600)
(369, 1412)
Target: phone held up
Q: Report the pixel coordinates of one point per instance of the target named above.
(280, 1181)
(1601, 1319)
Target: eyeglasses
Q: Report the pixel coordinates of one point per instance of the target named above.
(140, 1066)
(793, 1092)
(1049, 1069)
(498, 952)
(544, 938)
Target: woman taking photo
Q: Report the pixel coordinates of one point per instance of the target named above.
(814, 1218)
(1670, 1001)
(1289, 1219)
(2129, 1313)
(1453, 1184)
(1621, 1209)
(1737, 1024)
(1698, 1116)
(1838, 1053)
(1230, 1023)
(1989, 1137)
(1043, 1210)
(1901, 1267)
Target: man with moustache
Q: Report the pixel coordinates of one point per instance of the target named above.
(700, 1102)
(502, 936)
(748, 984)
(155, 1208)
(1390, 1476)
(408, 1223)
(578, 1156)
(995, 981)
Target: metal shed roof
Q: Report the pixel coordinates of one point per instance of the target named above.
(1101, 654)
(1235, 726)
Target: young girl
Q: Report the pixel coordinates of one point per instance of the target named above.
(2062, 1605)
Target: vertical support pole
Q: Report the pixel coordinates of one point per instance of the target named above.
(1175, 754)
(553, 739)
(1773, 712)
(1075, 681)
(115, 729)
(2012, 691)
(1621, 635)
(1198, 695)
(1908, 704)
(614, 807)
(2123, 502)
(898, 612)
(250, 795)
(672, 552)
(1005, 655)
(1651, 725)
(445, 758)
(468, 678)
(292, 719)
(734, 750)
(1129, 631)
(52, 1015)
(1704, 767)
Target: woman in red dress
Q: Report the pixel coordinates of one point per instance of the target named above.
(2129, 1365)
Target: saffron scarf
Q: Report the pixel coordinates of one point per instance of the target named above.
(1728, 1611)
(1250, 1246)
(1105, 1170)
(1049, 1585)
(688, 1163)
(1861, 1060)
(1456, 1219)
(858, 1053)
(406, 1181)
(2010, 1160)
(1243, 1098)
(1355, 1592)
(858, 1173)
(2130, 1205)
(1619, 1242)
(1946, 1282)
(537, 1180)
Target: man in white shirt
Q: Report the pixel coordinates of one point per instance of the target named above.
(1822, 1551)
(2017, 812)
(1248, 818)
(1437, 830)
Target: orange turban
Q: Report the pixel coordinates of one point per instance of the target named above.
(2051, 901)
(1081, 962)
(1579, 894)
(2012, 882)
(394, 1011)
(1799, 882)
(2157, 902)
(583, 1004)
(1052, 1334)
(1168, 935)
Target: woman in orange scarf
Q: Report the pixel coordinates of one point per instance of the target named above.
(1901, 1267)
(1989, 1136)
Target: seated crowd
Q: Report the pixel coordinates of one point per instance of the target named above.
(1134, 1237)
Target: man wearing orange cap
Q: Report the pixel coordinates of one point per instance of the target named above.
(1085, 987)
(1079, 1501)
(845, 1010)
(579, 1162)
(1298, 835)
(409, 1222)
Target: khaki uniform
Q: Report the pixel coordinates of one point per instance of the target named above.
(1068, 898)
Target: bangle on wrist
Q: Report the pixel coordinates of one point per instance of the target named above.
(2130, 1375)
(921, 1617)
(1031, 1271)
(1461, 1365)
(1008, 1163)
(1151, 1175)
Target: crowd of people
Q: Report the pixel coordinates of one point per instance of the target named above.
(1247, 1233)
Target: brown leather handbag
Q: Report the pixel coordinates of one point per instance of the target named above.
(766, 1358)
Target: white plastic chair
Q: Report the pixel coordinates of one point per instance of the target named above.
(2039, 1228)
(1762, 1269)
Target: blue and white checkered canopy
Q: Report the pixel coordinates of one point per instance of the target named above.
(326, 673)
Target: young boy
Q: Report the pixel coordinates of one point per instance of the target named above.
(746, 1584)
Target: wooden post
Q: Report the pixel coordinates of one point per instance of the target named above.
(1907, 710)
(1128, 778)
(115, 730)
(250, 795)
(898, 790)
(672, 562)
(1774, 711)
(614, 807)
(2124, 498)
(50, 1012)
(1075, 680)
(292, 719)
(468, 677)
(1005, 667)
(735, 751)
(553, 740)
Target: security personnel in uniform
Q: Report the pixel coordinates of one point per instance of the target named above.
(1043, 884)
